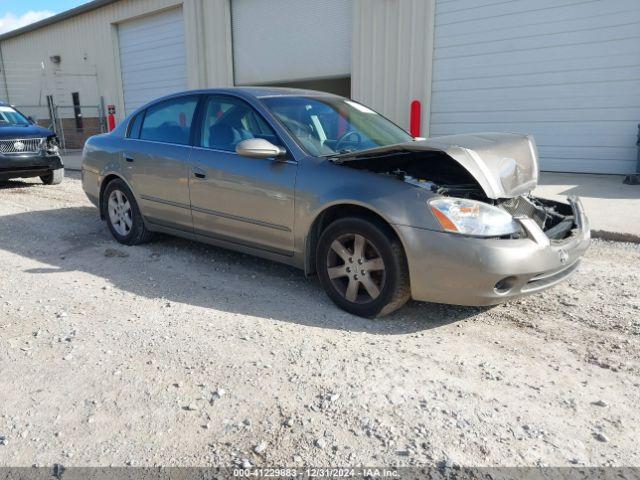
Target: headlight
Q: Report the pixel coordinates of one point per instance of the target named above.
(52, 145)
(470, 217)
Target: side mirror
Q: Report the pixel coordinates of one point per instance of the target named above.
(259, 148)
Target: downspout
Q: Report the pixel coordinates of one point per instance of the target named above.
(431, 46)
(4, 73)
(634, 179)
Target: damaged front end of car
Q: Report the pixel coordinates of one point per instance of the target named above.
(481, 183)
(490, 239)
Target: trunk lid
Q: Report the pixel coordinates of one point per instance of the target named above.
(504, 164)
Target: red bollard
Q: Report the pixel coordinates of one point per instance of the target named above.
(415, 120)
(111, 117)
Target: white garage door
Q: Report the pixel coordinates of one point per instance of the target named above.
(152, 57)
(566, 71)
(284, 40)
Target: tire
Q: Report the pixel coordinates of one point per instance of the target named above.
(383, 263)
(54, 177)
(123, 215)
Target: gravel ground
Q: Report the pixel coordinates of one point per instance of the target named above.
(176, 353)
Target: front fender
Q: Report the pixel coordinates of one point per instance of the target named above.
(323, 186)
(397, 202)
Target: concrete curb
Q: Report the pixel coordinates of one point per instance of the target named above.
(615, 236)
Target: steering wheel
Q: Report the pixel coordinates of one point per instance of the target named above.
(345, 140)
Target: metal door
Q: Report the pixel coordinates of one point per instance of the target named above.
(234, 198)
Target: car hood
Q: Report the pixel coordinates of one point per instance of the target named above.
(504, 164)
(21, 132)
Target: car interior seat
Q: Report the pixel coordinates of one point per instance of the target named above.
(223, 136)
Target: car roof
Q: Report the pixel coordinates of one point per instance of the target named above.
(257, 92)
(262, 92)
(246, 92)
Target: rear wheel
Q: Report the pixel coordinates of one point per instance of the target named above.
(123, 215)
(362, 267)
(54, 177)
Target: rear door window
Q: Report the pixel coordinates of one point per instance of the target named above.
(170, 121)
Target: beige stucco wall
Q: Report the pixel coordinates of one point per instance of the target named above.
(209, 52)
(393, 56)
(88, 46)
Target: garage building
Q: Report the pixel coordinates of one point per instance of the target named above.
(567, 71)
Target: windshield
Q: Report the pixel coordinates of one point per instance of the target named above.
(10, 117)
(327, 126)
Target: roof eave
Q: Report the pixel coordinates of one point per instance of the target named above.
(87, 7)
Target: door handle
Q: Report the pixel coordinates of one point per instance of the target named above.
(128, 159)
(198, 173)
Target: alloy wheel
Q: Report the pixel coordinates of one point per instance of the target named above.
(356, 269)
(120, 213)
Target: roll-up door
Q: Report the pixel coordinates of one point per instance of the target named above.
(152, 57)
(566, 71)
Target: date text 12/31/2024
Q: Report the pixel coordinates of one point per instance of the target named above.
(316, 473)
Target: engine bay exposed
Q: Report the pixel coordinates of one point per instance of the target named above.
(556, 219)
(439, 173)
(434, 171)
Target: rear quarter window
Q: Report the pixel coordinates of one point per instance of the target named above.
(135, 125)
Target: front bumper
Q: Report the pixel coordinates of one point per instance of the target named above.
(458, 270)
(32, 165)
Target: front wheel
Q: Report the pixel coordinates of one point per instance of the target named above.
(54, 177)
(362, 267)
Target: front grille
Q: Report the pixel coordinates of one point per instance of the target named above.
(21, 145)
(521, 206)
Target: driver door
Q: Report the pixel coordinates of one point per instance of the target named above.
(242, 200)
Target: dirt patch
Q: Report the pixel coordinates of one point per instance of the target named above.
(177, 353)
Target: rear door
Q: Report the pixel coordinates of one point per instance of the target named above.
(234, 198)
(157, 161)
